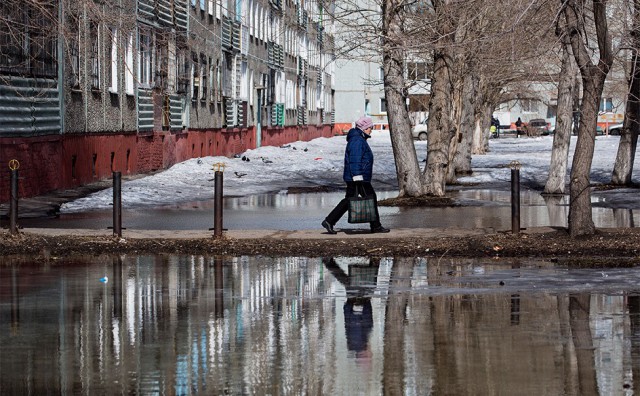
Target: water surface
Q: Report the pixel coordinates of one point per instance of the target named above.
(344, 325)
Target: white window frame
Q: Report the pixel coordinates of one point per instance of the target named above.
(380, 101)
(129, 70)
(114, 60)
(244, 81)
(145, 58)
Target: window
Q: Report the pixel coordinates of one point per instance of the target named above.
(381, 73)
(211, 77)
(529, 105)
(183, 72)
(195, 78)
(416, 71)
(94, 32)
(244, 82)
(114, 60)
(606, 105)
(74, 54)
(203, 77)
(239, 10)
(145, 58)
(128, 59)
(172, 66)
(383, 105)
(28, 45)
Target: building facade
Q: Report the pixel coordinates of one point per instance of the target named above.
(95, 86)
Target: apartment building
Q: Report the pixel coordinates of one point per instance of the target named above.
(94, 86)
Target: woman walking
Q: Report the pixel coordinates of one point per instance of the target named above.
(358, 169)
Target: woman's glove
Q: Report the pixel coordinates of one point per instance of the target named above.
(358, 178)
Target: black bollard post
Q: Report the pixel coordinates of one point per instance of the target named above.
(13, 203)
(117, 204)
(515, 199)
(217, 205)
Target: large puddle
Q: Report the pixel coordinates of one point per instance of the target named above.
(256, 325)
(479, 209)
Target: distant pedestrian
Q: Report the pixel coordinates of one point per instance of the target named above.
(358, 170)
(518, 127)
(495, 127)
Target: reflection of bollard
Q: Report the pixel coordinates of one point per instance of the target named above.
(117, 204)
(219, 287)
(15, 302)
(117, 287)
(14, 165)
(515, 196)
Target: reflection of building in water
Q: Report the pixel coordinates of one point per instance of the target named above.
(608, 323)
(292, 325)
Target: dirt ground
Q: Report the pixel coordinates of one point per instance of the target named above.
(610, 247)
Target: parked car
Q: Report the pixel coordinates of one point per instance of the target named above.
(420, 130)
(615, 129)
(540, 124)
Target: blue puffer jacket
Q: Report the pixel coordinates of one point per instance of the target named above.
(358, 157)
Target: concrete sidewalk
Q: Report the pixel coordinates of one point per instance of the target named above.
(401, 233)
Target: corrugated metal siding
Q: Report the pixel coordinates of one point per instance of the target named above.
(180, 14)
(165, 13)
(29, 106)
(145, 9)
(145, 110)
(175, 111)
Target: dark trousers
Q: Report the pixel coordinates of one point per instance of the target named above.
(352, 191)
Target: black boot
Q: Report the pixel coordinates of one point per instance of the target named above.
(328, 227)
(380, 230)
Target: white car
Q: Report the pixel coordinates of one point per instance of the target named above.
(615, 129)
(420, 130)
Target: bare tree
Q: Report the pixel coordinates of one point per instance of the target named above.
(556, 180)
(393, 57)
(629, 136)
(593, 78)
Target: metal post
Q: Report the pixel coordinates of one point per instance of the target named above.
(117, 204)
(217, 205)
(515, 199)
(13, 203)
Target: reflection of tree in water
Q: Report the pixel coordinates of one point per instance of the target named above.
(579, 309)
(358, 313)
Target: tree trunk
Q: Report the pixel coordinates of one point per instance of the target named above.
(481, 131)
(560, 153)
(593, 77)
(404, 151)
(462, 159)
(441, 128)
(629, 135)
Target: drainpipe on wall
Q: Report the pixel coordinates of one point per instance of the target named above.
(259, 117)
(119, 69)
(85, 98)
(61, 64)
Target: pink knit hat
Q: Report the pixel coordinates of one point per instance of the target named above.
(364, 123)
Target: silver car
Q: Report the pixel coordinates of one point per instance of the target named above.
(420, 130)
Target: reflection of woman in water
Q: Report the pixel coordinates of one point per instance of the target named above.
(358, 314)
(358, 322)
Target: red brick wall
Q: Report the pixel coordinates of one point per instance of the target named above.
(64, 161)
